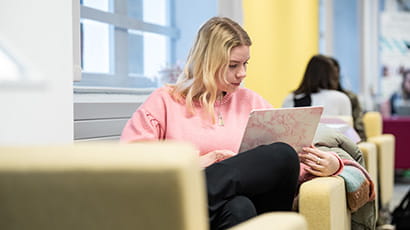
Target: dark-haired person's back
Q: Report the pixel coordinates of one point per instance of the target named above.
(319, 87)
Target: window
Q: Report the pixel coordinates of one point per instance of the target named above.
(126, 43)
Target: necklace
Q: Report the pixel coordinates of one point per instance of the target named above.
(220, 118)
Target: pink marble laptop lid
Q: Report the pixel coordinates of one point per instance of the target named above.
(295, 126)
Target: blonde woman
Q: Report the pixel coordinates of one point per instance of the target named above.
(208, 108)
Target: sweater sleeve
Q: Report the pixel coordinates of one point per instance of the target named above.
(142, 126)
(341, 164)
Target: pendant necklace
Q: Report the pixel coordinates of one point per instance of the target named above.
(220, 118)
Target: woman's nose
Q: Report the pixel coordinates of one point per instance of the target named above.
(241, 72)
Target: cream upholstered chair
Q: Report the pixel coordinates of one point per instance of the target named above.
(274, 221)
(369, 149)
(110, 186)
(373, 124)
(322, 201)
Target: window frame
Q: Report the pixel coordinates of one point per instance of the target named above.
(119, 59)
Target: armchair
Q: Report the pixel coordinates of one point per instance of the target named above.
(323, 195)
(111, 186)
(385, 144)
(323, 200)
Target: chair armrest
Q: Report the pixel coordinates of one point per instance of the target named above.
(322, 201)
(274, 220)
(385, 158)
(369, 151)
(372, 121)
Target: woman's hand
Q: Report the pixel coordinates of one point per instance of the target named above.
(215, 156)
(320, 163)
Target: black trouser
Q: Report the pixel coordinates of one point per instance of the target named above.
(260, 180)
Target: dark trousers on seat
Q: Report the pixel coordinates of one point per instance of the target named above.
(260, 180)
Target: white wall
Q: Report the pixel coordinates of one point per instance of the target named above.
(40, 32)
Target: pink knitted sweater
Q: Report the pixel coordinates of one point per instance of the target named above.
(161, 117)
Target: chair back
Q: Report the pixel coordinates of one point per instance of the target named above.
(373, 123)
(102, 186)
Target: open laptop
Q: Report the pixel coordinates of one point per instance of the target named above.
(294, 126)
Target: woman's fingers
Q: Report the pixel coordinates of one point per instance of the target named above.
(215, 156)
(321, 163)
(223, 154)
(315, 172)
(317, 166)
(311, 157)
(315, 151)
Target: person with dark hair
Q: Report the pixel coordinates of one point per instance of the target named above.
(208, 108)
(357, 112)
(319, 87)
(402, 96)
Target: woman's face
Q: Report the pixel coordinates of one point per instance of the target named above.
(238, 60)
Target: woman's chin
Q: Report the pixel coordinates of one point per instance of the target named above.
(230, 88)
(235, 87)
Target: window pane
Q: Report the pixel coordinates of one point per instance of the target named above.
(155, 54)
(134, 8)
(135, 53)
(155, 11)
(103, 5)
(96, 46)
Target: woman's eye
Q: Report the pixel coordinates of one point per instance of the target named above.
(236, 65)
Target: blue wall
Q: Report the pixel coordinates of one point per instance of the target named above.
(346, 44)
(190, 15)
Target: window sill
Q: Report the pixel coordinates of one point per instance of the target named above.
(107, 94)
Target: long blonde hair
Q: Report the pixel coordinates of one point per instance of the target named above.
(207, 63)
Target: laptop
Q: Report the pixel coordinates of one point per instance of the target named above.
(295, 126)
(403, 110)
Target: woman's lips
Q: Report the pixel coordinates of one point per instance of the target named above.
(236, 84)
